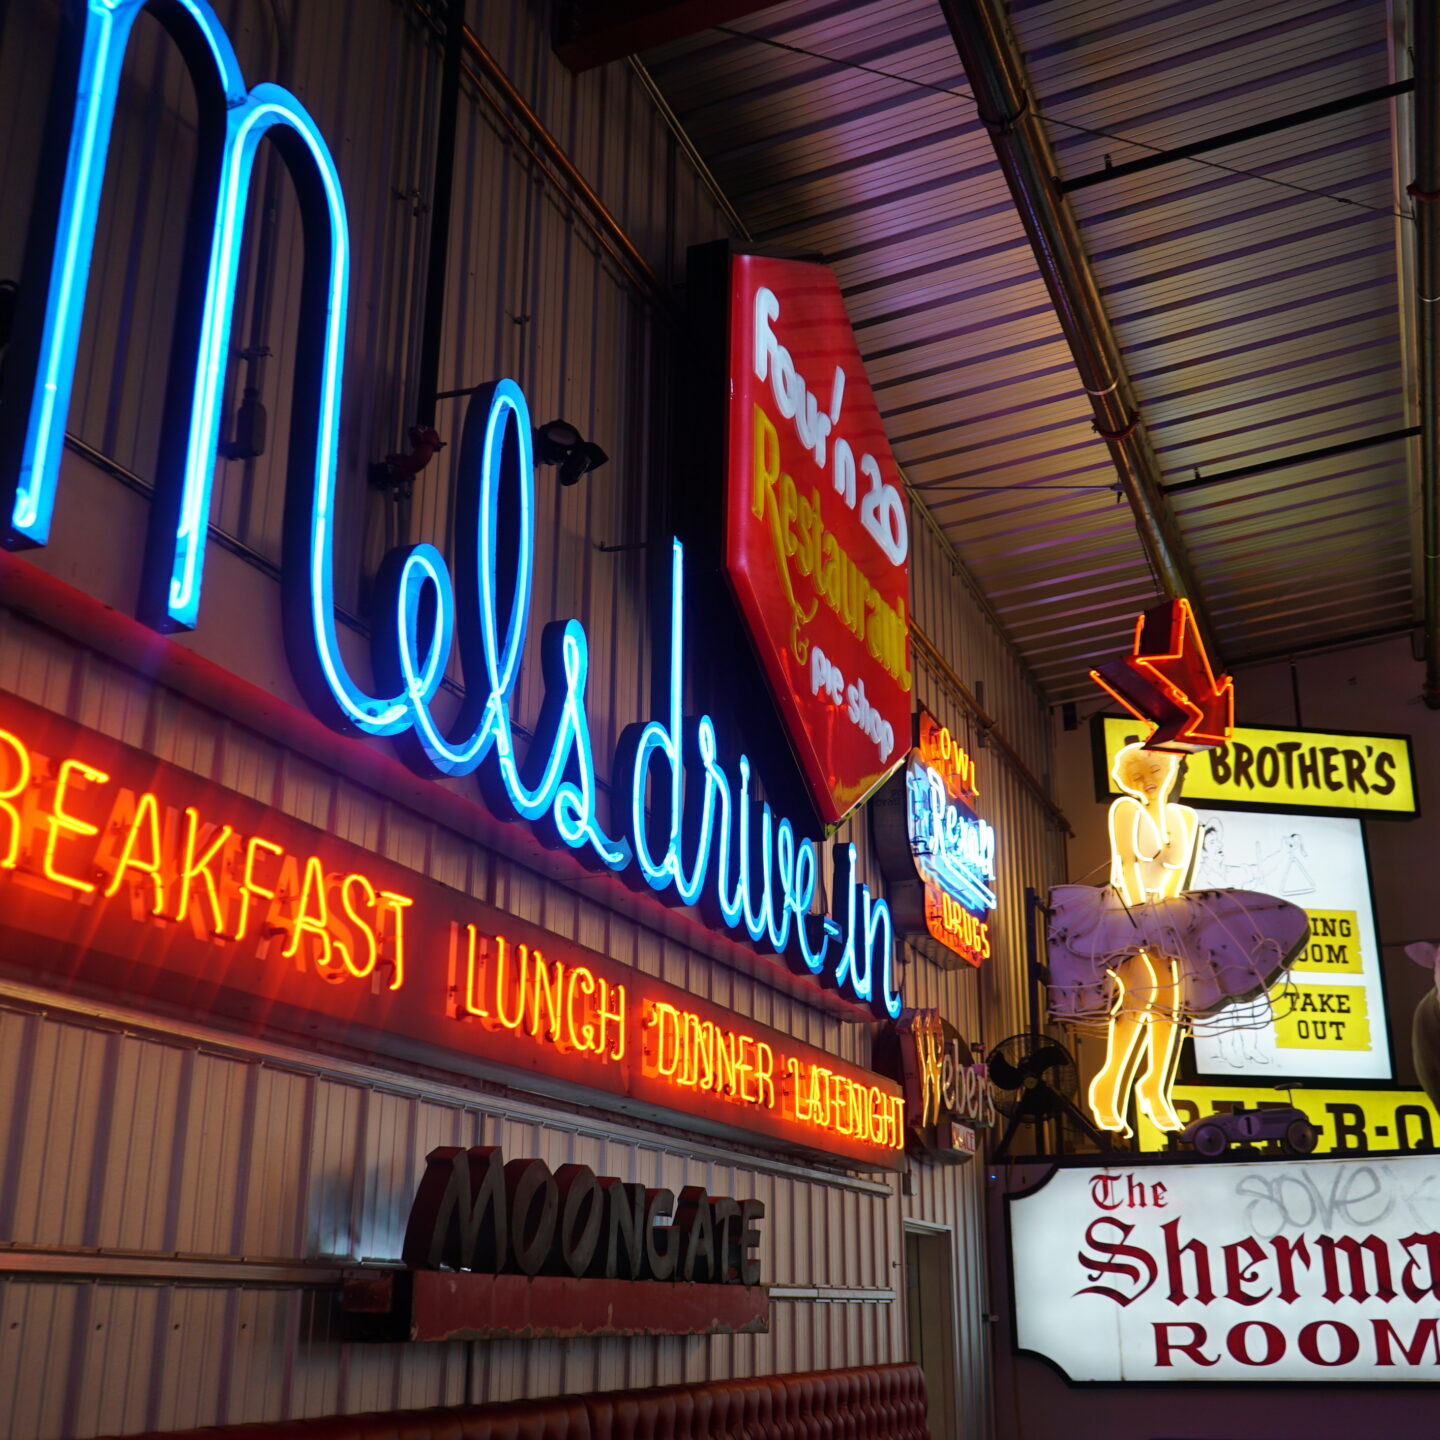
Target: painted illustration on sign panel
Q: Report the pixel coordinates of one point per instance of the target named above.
(1287, 822)
(817, 540)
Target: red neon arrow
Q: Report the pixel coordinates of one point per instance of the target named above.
(1168, 681)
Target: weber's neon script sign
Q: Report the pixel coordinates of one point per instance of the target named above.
(1313, 1271)
(683, 822)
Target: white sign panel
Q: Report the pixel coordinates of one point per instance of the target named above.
(1308, 1271)
(1327, 1020)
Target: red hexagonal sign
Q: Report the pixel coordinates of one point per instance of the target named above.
(817, 539)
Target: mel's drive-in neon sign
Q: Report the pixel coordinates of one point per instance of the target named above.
(684, 822)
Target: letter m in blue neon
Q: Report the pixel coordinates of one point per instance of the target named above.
(40, 362)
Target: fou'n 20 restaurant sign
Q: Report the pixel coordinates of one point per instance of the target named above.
(127, 876)
(682, 818)
(1328, 772)
(1314, 1271)
(817, 544)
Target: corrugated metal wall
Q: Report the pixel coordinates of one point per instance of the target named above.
(182, 1150)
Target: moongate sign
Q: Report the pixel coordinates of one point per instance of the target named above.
(123, 874)
(497, 1248)
(682, 819)
(1313, 1271)
(1332, 772)
(1348, 1122)
(817, 540)
(473, 1211)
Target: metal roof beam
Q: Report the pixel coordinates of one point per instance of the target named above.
(1237, 137)
(996, 77)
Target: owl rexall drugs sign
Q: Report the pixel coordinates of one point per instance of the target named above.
(1310, 1271)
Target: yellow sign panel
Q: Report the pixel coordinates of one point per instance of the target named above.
(1334, 946)
(1321, 1017)
(1290, 770)
(1348, 1121)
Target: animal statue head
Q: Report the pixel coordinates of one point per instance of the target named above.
(1425, 1028)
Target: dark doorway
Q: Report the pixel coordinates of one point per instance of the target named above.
(929, 1311)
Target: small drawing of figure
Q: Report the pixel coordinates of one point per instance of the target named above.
(1210, 866)
(1237, 1033)
(1214, 870)
(1295, 878)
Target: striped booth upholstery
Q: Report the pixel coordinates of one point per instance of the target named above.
(883, 1402)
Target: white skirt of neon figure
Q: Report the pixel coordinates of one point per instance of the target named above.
(1140, 958)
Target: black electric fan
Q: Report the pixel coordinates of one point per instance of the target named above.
(1034, 1080)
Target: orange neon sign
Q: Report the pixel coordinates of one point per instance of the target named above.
(513, 987)
(944, 754)
(1167, 679)
(128, 873)
(100, 839)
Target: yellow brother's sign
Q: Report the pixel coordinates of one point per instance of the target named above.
(1348, 1121)
(1290, 770)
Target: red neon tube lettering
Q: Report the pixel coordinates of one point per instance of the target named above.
(16, 788)
(199, 868)
(397, 905)
(250, 889)
(61, 822)
(578, 1037)
(359, 969)
(312, 915)
(147, 814)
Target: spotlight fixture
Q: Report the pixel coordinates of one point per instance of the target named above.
(558, 442)
(9, 293)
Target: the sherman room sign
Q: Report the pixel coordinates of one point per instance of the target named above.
(1317, 1271)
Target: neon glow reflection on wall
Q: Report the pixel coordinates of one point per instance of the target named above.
(702, 839)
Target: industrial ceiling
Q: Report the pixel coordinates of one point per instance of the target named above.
(1134, 283)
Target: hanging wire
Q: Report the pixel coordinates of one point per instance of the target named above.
(1064, 124)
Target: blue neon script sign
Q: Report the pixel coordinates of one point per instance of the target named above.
(683, 823)
(952, 845)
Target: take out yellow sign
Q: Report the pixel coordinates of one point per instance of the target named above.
(1317, 770)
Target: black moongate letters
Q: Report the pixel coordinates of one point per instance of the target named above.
(473, 1211)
